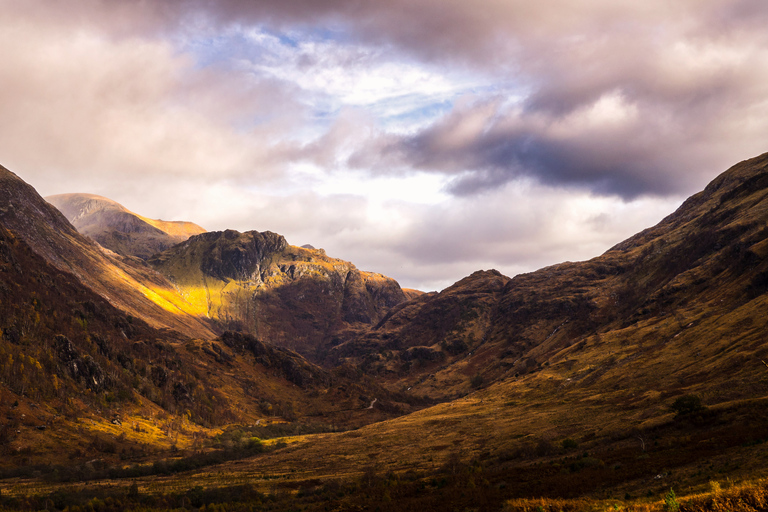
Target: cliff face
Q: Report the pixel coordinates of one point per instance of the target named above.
(232, 255)
(294, 297)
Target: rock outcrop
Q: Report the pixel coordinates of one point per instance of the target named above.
(293, 297)
(240, 256)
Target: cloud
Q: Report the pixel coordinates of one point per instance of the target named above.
(664, 125)
(610, 98)
(424, 139)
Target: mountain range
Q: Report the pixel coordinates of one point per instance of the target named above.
(627, 374)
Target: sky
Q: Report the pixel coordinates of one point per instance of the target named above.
(422, 139)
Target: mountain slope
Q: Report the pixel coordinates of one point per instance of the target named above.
(113, 226)
(65, 352)
(132, 287)
(294, 297)
(705, 260)
(626, 375)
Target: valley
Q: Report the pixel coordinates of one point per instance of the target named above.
(234, 370)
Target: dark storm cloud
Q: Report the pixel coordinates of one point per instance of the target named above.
(498, 154)
(616, 162)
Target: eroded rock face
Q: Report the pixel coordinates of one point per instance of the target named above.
(293, 368)
(366, 296)
(81, 368)
(65, 349)
(234, 255)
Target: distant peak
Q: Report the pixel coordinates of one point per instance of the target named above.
(117, 228)
(80, 195)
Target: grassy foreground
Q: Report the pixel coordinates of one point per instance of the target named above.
(464, 490)
(745, 497)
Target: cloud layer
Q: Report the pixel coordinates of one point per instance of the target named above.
(420, 139)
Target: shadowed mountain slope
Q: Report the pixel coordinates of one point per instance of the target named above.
(701, 270)
(119, 229)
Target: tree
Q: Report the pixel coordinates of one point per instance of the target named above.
(670, 502)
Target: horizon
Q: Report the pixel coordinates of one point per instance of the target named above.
(423, 141)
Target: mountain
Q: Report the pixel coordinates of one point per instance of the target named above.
(597, 385)
(115, 227)
(697, 275)
(294, 297)
(65, 353)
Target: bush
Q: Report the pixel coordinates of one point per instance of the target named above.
(255, 444)
(687, 404)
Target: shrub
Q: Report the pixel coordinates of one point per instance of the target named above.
(670, 502)
(687, 404)
(255, 444)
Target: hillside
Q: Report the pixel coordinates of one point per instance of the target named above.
(294, 297)
(700, 271)
(128, 285)
(613, 379)
(115, 227)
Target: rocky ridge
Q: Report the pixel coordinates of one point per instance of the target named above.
(292, 296)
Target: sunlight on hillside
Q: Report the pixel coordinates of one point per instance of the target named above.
(176, 229)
